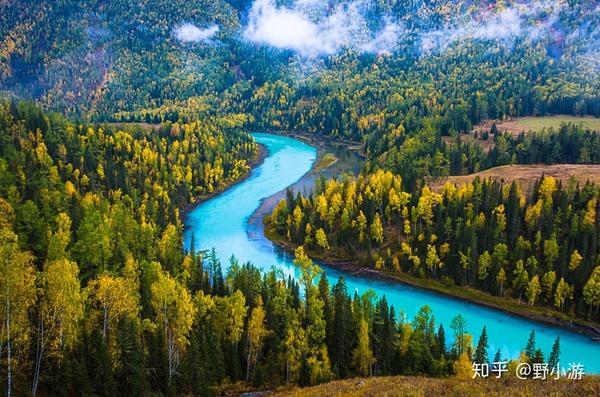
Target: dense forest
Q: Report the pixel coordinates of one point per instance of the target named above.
(446, 70)
(542, 248)
(116, 117)
(101, 299)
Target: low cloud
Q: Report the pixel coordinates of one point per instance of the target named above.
(532, 22)
(317, 27)
(310, 28)
(191, 33)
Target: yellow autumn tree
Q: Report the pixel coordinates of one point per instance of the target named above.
(362, 355)
(175, 312)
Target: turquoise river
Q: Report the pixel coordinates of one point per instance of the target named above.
(222, 222)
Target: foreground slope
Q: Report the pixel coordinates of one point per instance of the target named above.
(419, 386)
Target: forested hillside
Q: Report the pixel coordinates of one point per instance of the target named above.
(542, 249)
(101, 299)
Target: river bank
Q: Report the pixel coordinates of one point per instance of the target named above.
(223, 223)
(505, 304)
(346, 160)
(321, 141)
(253, 163)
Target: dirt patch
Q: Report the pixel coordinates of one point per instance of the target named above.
(512, 126)
(526, 175)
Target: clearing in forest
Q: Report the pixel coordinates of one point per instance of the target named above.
(523, 124)
(526, 175)
(517, 125)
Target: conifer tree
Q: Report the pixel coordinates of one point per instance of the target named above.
(481, 353)
(554, 357)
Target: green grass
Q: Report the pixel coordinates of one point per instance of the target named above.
(538, 123)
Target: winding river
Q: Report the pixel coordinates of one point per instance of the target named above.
(223, 223)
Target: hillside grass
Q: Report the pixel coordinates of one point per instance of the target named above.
(539, 123)
(421, 387)
(534, 123)
(526, 175)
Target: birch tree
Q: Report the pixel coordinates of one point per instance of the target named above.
(175, 310)
(60, 310)
(17, 295)
(113, 299)
(256, 334)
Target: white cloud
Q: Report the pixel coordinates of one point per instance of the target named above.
(321, 27)
(385, 40)
(310, 28)
(189, 32)
(531, 22)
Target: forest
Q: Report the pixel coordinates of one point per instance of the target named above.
(542, 249)
(101, 298)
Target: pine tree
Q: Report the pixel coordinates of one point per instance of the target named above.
(324, 293)
(481, 353)
(554, 357)
(131, 377)
(497, 356)
(440, 342)
(538, 356)
(343, 325)
(530, 346)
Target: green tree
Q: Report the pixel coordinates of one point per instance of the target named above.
(481, 352)
(459, 326)
(60, 311)
(343, 324)
(547, 282)
(554, 358)
(520, 278)
(530, 346)
(318, 359)
(550, 252)
(484, 262)
(591, 290)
